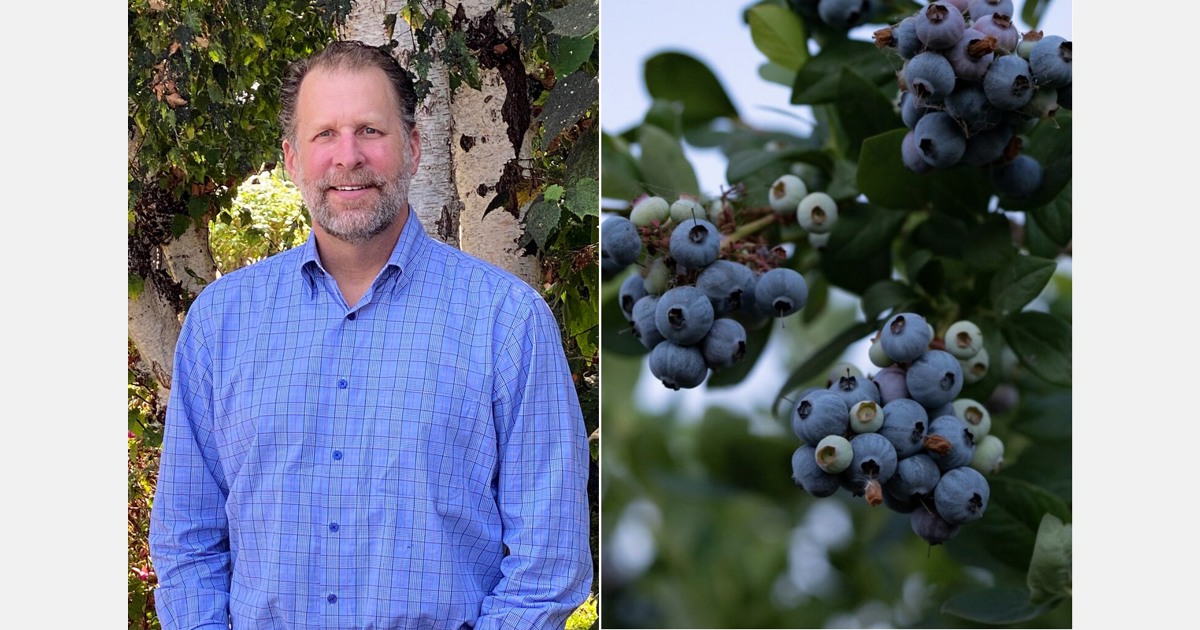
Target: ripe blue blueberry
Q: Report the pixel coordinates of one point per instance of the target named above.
(939, 139)
(910, 155)
(940, 25)
(934, 378)
(969, 106)
(678, 366)
(927, 524)
(620, 241)
(986, 147)
(642, 321)
(999, 26)
(929, 76)
(905, 336)
(962, 495)
(980, 8)
(874, 462)
(727, 284)
(972, 55)
(695, 243)
(1018, 179)
(725, 343)
(780, 292)
(905, 423)
(853, 390)
(844, 14)
(1008, 83)
(915, 478)
(912, 109)
(819, 413)
(891, 383)
(683, 315)
(949, 442)
(632, 290)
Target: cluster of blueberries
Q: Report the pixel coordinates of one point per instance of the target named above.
(902, 438)
(971, 84)
(689, 306)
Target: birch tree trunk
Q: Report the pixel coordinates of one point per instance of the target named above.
(465, 143)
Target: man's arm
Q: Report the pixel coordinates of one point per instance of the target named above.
(544, 461)
(189, 542)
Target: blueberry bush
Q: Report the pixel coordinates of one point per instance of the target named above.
(874, 313)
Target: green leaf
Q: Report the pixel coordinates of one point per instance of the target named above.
(675, 76)
(1013, 515)
(179, 224)
(817, 81)
(1049, 575)
(1045, 417)
(583, 199)
(884, 296)
(1033, 11)
(1019, 283)
(988, 246)
(541, 221)
(1054, 218)
(570, 53)
(578, 18)
(570, 99)
(583, 162)
(818, 296)
(820, 360)
(779, 34)
(777, 74)
(999, 606)
(622, 177)
(859, 251)
(1043, 343)
(886, 181)
(863, 111)
(665, 168)
(553, 193)
(136, 285)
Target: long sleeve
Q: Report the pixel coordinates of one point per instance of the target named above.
(189, 541)
(542, 487)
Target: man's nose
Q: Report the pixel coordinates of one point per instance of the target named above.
(348, 152)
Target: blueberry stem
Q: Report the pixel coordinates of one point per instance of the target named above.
(752, 227)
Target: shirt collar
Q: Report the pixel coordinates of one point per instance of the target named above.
(405, 257)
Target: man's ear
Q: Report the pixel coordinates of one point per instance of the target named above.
(289, 159)
(414, 144)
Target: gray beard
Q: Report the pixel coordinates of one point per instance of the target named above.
(360, 222)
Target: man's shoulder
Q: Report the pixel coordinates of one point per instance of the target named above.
(479, 275)
(241, 287)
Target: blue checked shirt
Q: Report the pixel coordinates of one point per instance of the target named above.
(416, 461)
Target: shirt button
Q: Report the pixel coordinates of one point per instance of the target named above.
(333, 527)
(352, 316)
(342, 383)
(332, 599)
(337, 455)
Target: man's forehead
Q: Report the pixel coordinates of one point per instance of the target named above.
(328, 91)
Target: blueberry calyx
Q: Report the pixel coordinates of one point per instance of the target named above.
(947, 382)
(874, 492)
(898, 325)
(937, 444)
(848, 383)
(804, 410)
(698, 234)
(676, 317)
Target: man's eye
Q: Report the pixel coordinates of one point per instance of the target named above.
(370, 130)
(324, 134)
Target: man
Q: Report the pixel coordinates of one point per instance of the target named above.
(372, 430)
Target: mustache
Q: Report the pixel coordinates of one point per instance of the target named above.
(356, 178)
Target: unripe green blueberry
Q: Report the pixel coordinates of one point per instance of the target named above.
(656, 277)
(865, 417)
(877, 355)
(818, 241)
(989, 455)
(975, 415)
(834, 454)
(963, 339)
(649, 209)
(685, 208)
(818, 213)
(786, 193)
(975, 368)
(716, 211)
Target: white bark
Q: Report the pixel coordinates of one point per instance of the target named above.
(444, 192)
(154, 327)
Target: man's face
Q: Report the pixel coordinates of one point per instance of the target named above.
(352, 158)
